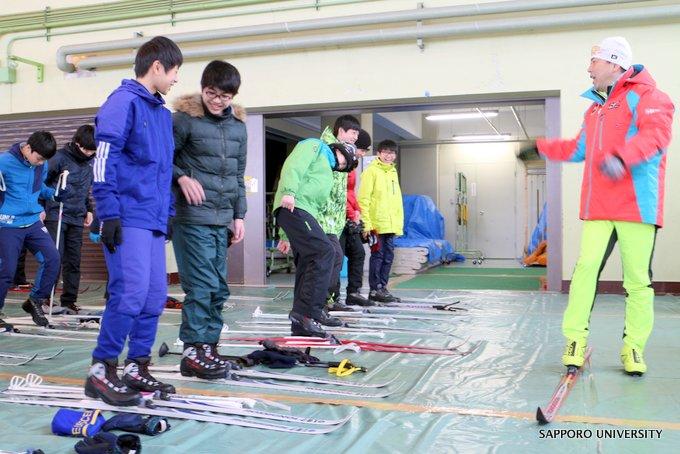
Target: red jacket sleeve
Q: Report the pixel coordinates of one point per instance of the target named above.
(352, 204)
(654, 120)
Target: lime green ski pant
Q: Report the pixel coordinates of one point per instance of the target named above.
(636, 245)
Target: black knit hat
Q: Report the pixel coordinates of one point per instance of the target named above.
(363, 141)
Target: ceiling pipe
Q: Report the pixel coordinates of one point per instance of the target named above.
(504, 26)
(514, 6)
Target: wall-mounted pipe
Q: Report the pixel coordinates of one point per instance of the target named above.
(172, 20)
(107, 12)
(505, 26)
(513, 6)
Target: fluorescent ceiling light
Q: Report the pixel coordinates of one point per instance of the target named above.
(481, 137)
(462, 115)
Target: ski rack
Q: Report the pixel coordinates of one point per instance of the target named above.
(176, 408)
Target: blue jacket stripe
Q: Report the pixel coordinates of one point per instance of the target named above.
(580, 151)
(646, 174)
(100, 162)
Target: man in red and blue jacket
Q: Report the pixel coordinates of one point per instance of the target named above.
(623, 142)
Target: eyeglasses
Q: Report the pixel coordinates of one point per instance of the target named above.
(212, 94)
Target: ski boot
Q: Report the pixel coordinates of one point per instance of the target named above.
(327, 319)
(338, 306)
(195, 364)
(381, 295)
(136, 376)
(71, 308)
(388, 294)
(633, 362)
(4, 326)
(305, 326)
(34, 307)
(574, 353)
(356, 299)
(103, 383)
(213, 354)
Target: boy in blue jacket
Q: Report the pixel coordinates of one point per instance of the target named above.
(132, 177)
(23, 170)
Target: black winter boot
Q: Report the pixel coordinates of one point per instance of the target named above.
(103, 383)
(305, 326)
(213, 354)
(34, 307)
(196, 364)
(356, 299)
(327, 319)
(136, 375)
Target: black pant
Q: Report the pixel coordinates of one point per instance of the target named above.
(337, 265)
(353, 248)
(313, 256)
(70, 244)
(20, 273)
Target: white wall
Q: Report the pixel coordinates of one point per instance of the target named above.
(418, 171)
(502, 192)
(409, 125)
(476, 66)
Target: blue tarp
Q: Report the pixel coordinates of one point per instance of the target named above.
(540, 232)
(424, 227)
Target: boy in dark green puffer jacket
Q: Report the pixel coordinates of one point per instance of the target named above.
(208, 183)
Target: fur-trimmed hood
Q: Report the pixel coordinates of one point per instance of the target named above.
(192, 105)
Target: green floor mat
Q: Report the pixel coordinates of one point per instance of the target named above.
(538, 271)
(454, 282)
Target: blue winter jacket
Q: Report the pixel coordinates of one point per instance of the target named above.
(133, 164)
(23, 185)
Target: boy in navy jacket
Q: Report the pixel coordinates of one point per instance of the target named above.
(77, 213)
(23, 170)
(132, 177)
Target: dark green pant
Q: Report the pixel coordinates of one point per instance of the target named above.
(201, 254)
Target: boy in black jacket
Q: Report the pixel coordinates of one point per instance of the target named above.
(76, 157)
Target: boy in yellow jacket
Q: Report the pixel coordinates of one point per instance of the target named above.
(381, 204)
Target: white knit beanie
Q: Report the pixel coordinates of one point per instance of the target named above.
(614, 49)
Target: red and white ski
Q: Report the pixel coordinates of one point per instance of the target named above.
(561, 392)
(300, 341)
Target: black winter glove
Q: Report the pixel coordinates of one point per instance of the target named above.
(529, 152)
(111, 234)
(62, 194)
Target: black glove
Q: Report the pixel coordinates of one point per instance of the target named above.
(106, 442)
(529, 152)
(111, 234)
(61, 194)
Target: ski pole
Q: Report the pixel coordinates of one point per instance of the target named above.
(61, 184)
